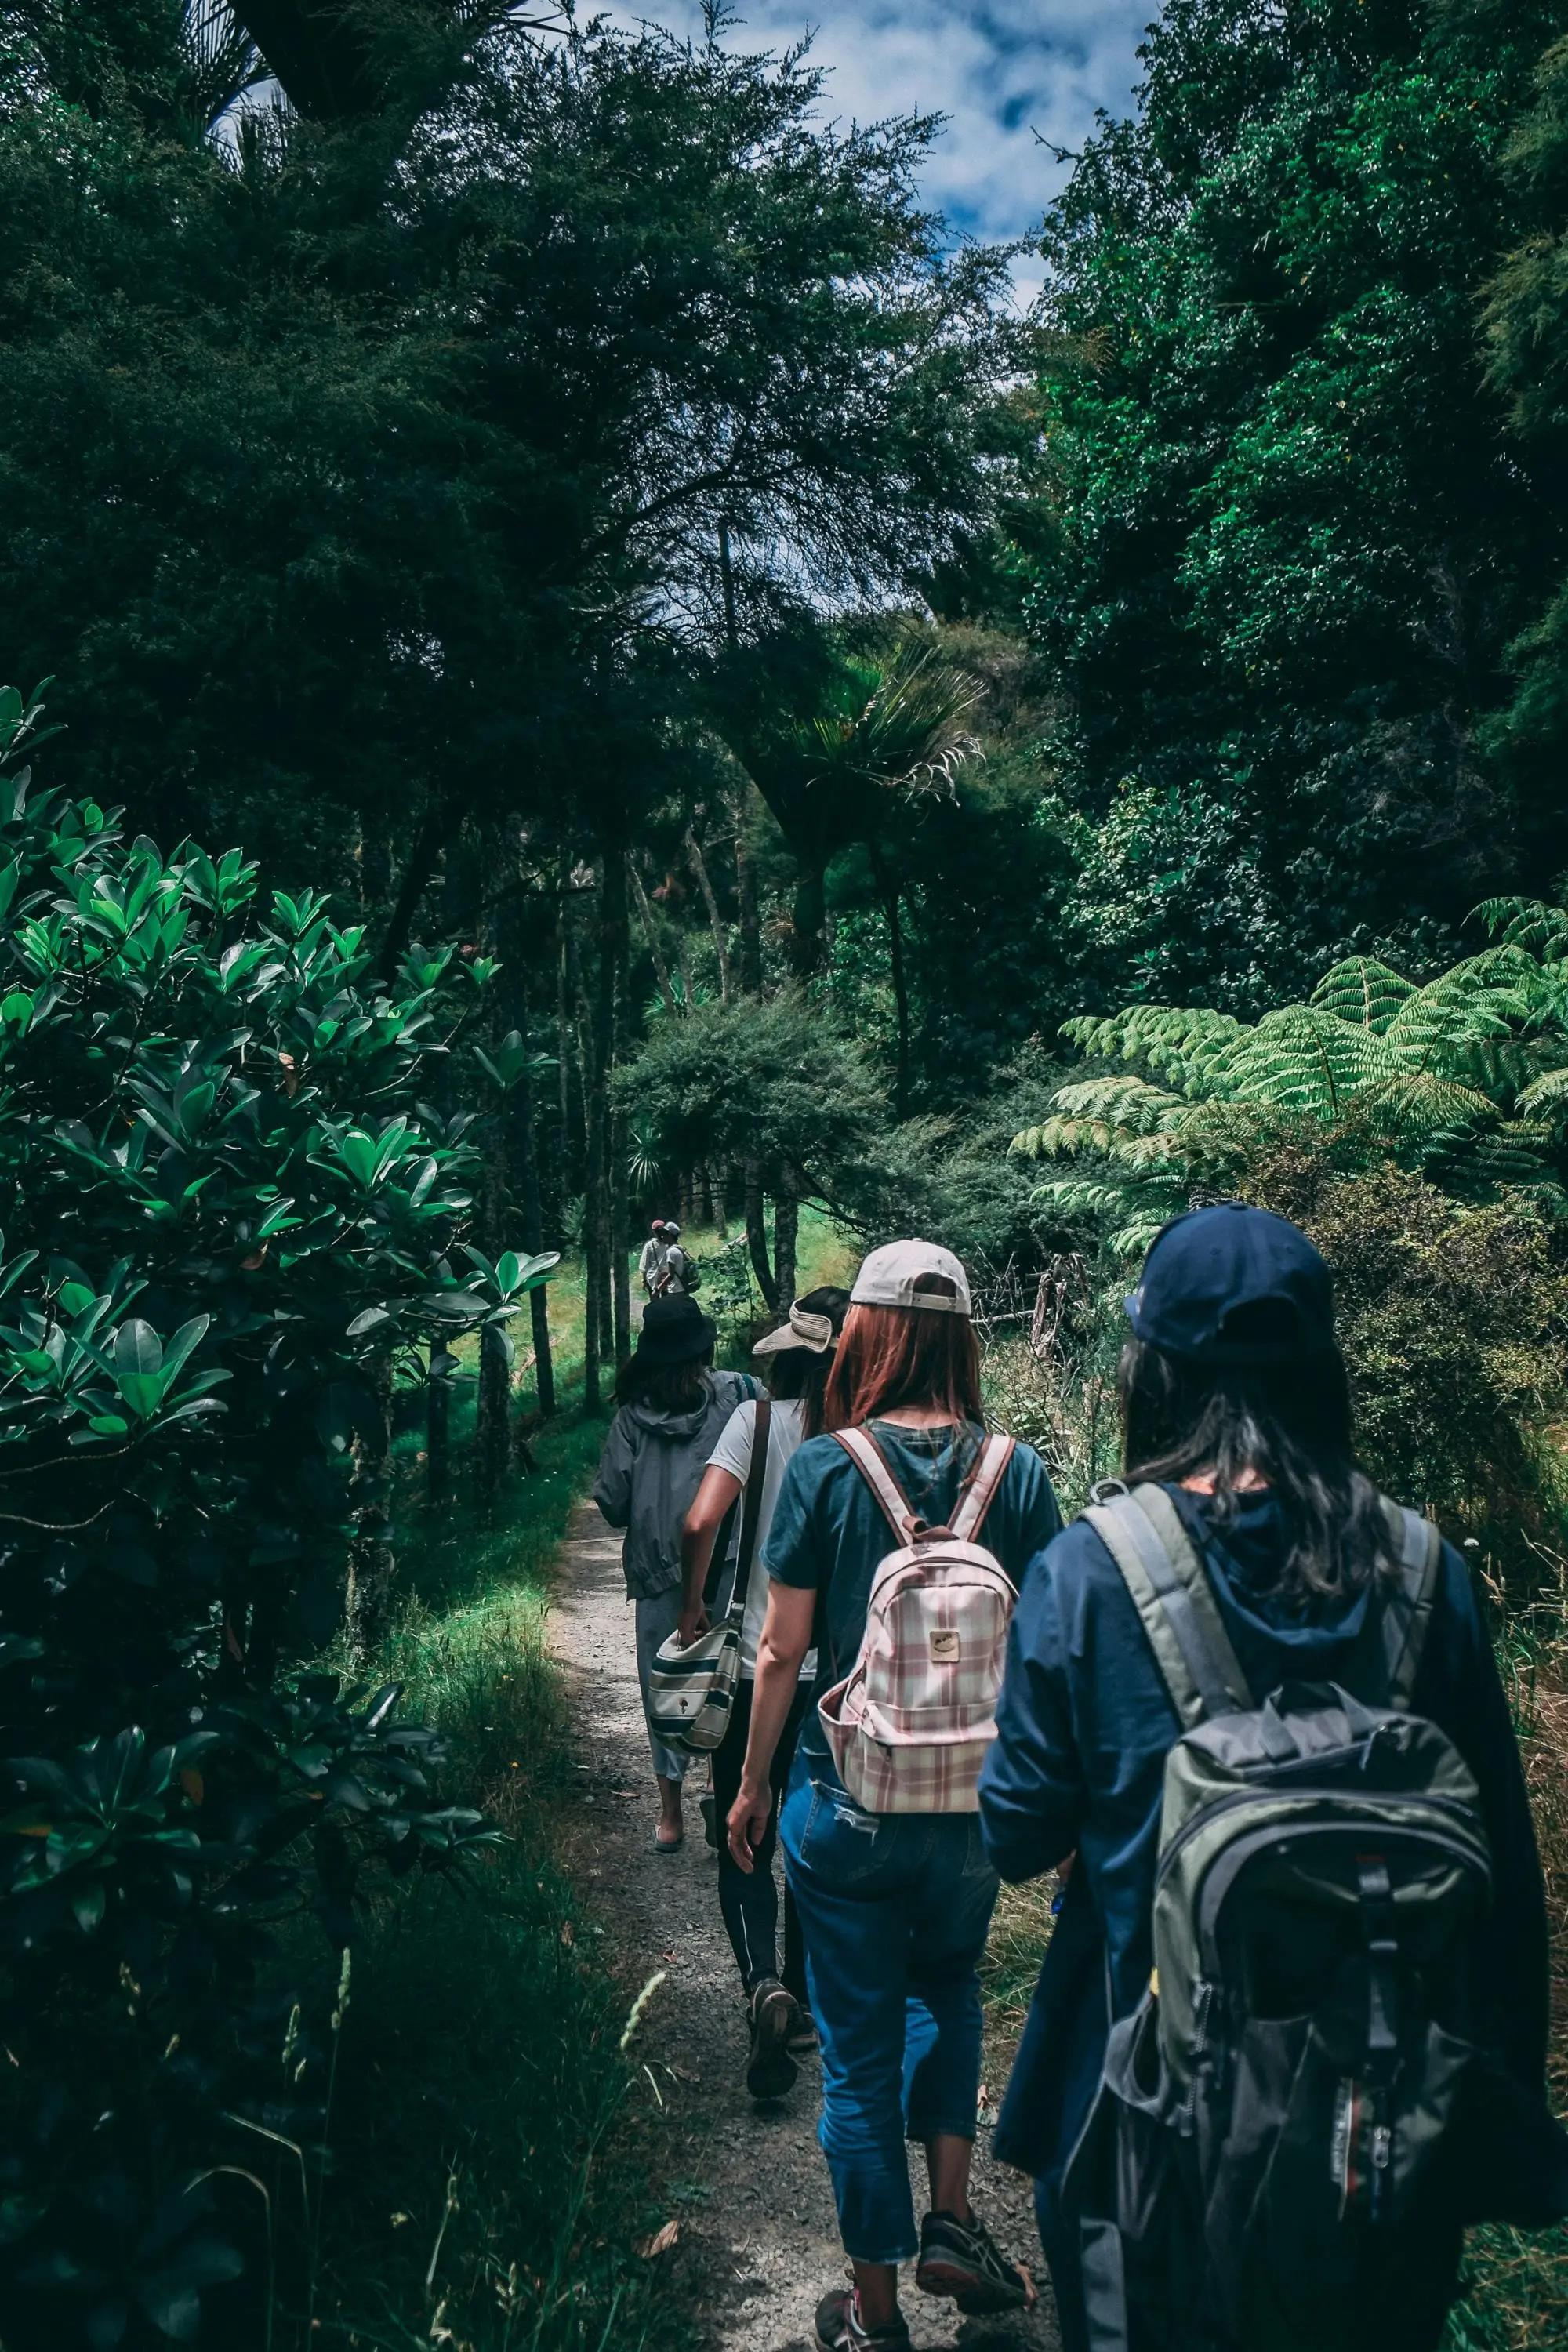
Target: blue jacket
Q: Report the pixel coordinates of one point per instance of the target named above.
(1084, 1727)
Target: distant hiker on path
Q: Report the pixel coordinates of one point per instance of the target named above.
(800, 1358)
(1340, 1974)
(651, 1264)
(674, 1275)
(895, 1902)
(672, 1410)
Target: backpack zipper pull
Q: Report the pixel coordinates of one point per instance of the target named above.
(1382, 2151)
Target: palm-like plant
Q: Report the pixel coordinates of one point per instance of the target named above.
(1465, 1077)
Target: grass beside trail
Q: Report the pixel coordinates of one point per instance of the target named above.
(485, 2191)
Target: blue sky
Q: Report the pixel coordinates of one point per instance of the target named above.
(1000, 70)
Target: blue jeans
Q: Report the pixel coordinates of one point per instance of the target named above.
(895, 1907)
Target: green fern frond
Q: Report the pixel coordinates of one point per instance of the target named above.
(1528, 923)
(1420, 1103)
(1304, 1060)
(1546, 1096)
(1127, 1102)
(1362, 992)
(1182, 1042)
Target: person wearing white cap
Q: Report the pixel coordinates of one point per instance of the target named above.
(895, 1905)
(799, 1357)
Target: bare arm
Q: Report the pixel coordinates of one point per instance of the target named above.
(713, 1500)
(780, 1653)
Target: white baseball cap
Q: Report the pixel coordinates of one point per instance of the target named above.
(888, 1279)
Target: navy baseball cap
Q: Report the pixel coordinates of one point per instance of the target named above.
(1206, 1273)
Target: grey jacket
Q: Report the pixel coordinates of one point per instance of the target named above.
(649, 1473)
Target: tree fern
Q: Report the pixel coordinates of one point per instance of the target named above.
(1465, 1077)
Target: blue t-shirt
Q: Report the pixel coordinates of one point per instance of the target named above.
(830, 1534)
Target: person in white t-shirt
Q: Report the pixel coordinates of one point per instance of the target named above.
(801, 1355)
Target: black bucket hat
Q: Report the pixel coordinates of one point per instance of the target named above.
(674, 1332)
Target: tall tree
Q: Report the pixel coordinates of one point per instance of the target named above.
(1294, 535)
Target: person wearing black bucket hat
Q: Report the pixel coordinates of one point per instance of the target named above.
(1240, 1463)
(672, 1408)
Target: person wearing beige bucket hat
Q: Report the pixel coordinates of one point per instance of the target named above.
(799, 1358)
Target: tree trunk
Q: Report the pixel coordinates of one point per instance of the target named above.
(787, 1231)
(746, 899)
(808, 922)
(494, 1436)
(721, 944)
(660, 968)
(757, 1236)
(532, 1230)
(372, 1564)
(718, 1183)
(890, 892)
(437, 1427)
(416, 874)
(522, 1156)
(493, 1424)
(620, 1124)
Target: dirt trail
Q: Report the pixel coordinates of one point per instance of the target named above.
(748, 2185)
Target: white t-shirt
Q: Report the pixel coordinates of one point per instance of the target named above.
(733, 1454)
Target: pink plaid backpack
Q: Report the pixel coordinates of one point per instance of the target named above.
(909, 1724)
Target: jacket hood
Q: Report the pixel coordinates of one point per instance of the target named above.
(1244, 1559)
(678, 1428)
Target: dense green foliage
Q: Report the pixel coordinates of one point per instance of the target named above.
(221, 1209)
(1295, 537)
(556, 488)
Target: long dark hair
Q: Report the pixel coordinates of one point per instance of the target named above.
(801, 1373)
(892, 1356)
(664, 1388)
(1289, 1424)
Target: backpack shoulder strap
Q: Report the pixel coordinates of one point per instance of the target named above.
(870, 1460)
(980, 1487)
(1405, 1616)
(1168, 1586)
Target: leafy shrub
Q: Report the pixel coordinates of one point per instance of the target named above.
(1452, 1321)
(223, 1213)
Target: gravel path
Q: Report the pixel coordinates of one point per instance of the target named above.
(757, 2243)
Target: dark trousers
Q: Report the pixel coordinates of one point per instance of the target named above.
(750, 1900)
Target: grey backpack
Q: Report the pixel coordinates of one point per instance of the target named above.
(1273, 2132)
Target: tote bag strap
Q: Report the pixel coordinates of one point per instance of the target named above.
(751, 1511)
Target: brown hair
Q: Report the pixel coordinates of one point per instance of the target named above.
(798, 1373)
(890, 1355)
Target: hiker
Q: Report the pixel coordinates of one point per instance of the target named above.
(674, 1276)
(800, 1357)
(895, 1903)
(1254, 1555)
(651, 1264)
(672, 1408)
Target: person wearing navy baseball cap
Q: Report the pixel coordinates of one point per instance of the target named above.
(1244, 1530)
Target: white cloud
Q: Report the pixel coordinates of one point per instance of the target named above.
(1000, 71)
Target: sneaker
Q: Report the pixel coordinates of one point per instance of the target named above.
(839, 2330)
(962, 2259)
(802, 2041)
(770, 2069)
